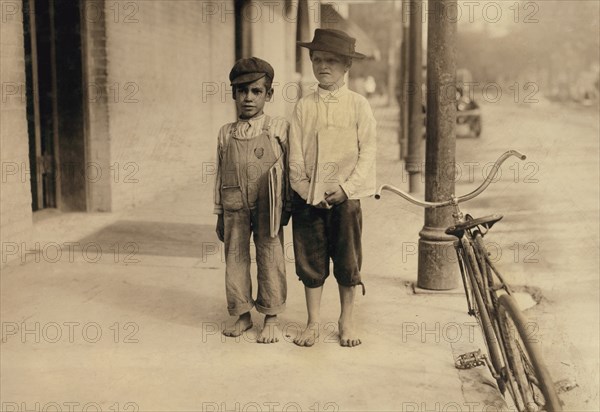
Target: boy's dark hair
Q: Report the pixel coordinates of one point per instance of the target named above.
(268, 84)
(345, 59)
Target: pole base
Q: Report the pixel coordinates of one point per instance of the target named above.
(446, 292)
(438, 268)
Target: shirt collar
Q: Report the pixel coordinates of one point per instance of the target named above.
(340, 91)
(253, 120)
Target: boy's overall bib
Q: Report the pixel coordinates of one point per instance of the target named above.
(245, 200)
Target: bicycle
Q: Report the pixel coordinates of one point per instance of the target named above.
(514, 361)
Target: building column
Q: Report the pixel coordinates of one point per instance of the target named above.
(415, 115)
(96, 110)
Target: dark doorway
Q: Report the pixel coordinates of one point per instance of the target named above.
(55, 103)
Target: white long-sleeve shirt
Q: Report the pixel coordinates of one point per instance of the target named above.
(323, 109)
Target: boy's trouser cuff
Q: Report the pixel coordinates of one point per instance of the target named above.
(352, 285)
(311, 283)
(240, 309)
(275, 310)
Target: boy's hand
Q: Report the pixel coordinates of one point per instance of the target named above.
(336, 197)
(323, 205)
(220, 228)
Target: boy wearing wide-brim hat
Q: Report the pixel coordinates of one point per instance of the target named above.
(332, 166)
(249, 202)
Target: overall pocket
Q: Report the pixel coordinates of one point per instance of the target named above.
(231, 198)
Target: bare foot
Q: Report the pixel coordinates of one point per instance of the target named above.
(347, 334)
(309, 336)
(241, 325)
(270, 330)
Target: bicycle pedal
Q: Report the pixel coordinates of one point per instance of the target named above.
(470, 360)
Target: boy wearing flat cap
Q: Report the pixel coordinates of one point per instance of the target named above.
(249, 195)
(332, 166)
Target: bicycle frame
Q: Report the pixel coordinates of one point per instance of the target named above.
(473, 263)
(474, 236)
(489, 300)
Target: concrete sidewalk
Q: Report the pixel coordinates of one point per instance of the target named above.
(128, 317)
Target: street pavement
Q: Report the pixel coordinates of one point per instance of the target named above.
(128, 315)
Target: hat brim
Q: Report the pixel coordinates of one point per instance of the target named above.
(324, 47)
(248, 78)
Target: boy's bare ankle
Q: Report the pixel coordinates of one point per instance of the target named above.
(270, 318)
(242, 324)
(312, 323)
(348, 336)
(310, 334)
(270, 330)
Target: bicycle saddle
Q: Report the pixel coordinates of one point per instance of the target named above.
(486, 221)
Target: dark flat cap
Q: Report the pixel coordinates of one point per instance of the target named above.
(249, 70)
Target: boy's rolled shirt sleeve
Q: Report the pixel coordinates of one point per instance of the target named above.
(297, 167)
(357, 183)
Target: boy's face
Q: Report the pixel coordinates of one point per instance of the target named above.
(250, 98)
(329, 68)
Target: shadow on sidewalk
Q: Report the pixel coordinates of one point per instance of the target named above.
(154, 238)
(141, 271)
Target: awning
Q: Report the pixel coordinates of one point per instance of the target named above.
(331, 19)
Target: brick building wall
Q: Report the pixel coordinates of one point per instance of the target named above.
(162, 58)
(15, 190)
(167, 87)
(156, 91)
(273, 27)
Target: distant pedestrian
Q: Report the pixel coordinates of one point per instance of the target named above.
(370, 86)
(250, 192)
(332, 166)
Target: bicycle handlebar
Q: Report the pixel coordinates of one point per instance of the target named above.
(460, 199)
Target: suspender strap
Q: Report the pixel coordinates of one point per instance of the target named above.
(265, 128)
(266, 125)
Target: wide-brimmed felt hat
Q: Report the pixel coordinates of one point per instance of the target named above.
(249, 70)
(333, 41)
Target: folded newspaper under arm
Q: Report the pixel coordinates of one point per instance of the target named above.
(275, 198)
(337, 156)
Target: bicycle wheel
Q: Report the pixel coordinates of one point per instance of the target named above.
(525, 366)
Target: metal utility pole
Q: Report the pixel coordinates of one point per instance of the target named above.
(415, 129)
(436, 271)
(393, 53)
(403, 95)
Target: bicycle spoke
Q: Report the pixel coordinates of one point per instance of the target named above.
(534, 383)
(533, 389)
